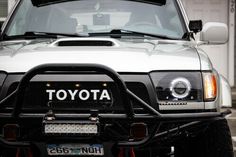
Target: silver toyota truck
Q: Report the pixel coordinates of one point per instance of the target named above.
(110, 78)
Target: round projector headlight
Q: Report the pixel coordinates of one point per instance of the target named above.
(180, 88)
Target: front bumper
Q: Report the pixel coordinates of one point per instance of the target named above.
(152, 114)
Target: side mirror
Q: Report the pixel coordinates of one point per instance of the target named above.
(195, 26)
(214, 33)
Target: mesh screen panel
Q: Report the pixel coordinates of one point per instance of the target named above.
(3, 8)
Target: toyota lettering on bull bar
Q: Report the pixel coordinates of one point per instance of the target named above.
(94, 94)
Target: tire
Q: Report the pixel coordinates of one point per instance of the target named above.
(215, 141)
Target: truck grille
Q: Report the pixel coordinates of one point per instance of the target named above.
(57, 96)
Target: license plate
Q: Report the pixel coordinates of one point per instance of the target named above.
(75, 150)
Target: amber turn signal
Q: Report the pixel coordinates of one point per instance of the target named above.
(210, 86)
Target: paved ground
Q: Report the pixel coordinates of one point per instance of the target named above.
(232, 123)
(232, 119)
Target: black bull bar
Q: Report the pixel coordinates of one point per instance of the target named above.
(126, 96)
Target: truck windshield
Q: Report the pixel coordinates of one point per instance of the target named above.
(90, 16)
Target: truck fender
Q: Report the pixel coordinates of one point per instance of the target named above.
(225, 92)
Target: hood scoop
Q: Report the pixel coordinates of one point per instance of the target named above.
(85, 42)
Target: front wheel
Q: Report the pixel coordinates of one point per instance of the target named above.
(215, 141)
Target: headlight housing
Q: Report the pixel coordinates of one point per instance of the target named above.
(178, 86)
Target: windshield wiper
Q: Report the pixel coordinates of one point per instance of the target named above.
(35, 35)
(115, 33)
(118, 33)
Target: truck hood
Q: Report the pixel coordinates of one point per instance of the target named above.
(145, 56)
